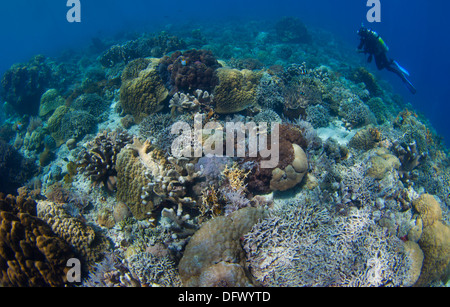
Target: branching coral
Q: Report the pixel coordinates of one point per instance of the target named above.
(303, 244)
(98, 158)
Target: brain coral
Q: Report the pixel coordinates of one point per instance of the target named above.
(214, 256)
(142, 91)
(236, 90)
(31, 254)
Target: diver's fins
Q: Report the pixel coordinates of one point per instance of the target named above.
(409, 85)
(404, 71)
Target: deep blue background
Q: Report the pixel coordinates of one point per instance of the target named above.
(417, 33)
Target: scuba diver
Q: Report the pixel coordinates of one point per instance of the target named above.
(372, 44)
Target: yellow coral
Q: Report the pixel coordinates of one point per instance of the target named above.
(235, 176)
(210, 202)
(144, 94)
(429, 209)
(236, 90)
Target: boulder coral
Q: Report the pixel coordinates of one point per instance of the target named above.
(23, 84)
(190, 70)
(214, 256)
(142, 91)
(434, 241)
(236, 90)
(291, 175)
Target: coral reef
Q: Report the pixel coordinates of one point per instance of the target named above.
(142, 91)
(434, 241)
(98, 159)
(214, 256)
(49, 102)
(190, 70)
(80, 236)
(292, 30)
(14, 168)
(303, 244)
(236, 90)
(31, 254)
(23, 84)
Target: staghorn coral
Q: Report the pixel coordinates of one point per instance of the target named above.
(154, 271)
(31, 254)
(181, 103)
(98, 158)
(110, 272)
(142, 91)
(80, 236)
(214, 256)
(303, 244)
(236, 90)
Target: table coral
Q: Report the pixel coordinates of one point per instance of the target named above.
(214, 256)
(31, 254)
(236, 90)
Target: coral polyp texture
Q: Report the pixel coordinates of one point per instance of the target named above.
(214, 256)
(237, 153)
(142, 91)
(31, 254)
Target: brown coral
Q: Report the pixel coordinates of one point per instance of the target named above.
(236, 90)
(429, 209)
(142, 91)
(434, 241)
(31, 254)
(72, 230)
(214, 256)
(291, 175)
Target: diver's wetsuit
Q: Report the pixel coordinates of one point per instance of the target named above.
(372, 44)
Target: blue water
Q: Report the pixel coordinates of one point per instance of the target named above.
(416, 32)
